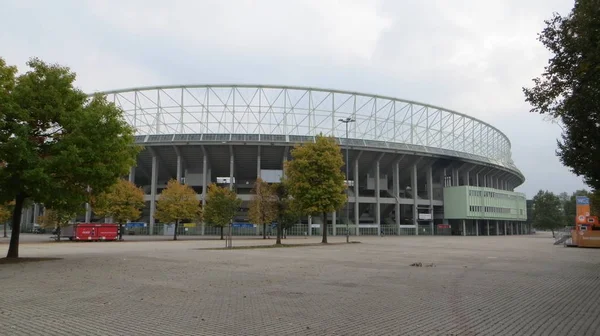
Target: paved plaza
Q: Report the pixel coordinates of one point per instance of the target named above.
(513, 285)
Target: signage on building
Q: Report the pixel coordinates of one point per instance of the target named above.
(425, 216)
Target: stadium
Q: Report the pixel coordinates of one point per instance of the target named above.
(414, 168)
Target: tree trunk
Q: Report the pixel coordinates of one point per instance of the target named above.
(5, 224)
(13, 247)
(324, 241)
(279, 234)
(264, 231)
(58, 233)
(120, 231)
(553, 236)
(221, 233)
(175, 231)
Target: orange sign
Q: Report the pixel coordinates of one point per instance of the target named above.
(583, 206)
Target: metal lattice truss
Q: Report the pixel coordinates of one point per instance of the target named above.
(301, 111)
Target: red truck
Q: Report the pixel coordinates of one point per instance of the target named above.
(91, 232)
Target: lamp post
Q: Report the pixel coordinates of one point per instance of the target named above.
(347, 121)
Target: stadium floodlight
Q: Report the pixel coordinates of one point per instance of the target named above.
(347, 121)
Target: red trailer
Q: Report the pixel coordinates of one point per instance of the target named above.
(91, 232)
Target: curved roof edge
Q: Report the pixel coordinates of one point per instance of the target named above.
(188, 86)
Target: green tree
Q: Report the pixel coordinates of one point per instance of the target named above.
(56, 219)
(595, 203)
(263, 206)
(5, 215)
(547, 213)
(288, 212)
(315, 178)
(55, 141)
(569, 88)
(177, 202)
(221, 206)
(123, 201)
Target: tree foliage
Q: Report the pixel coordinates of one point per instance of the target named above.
(315, 178)
(263, 206)
(55, 218)
(123, 202)
(288, 212)
(221, 206)
(570, 206)
(5, 214)
(547, 211)
(569, 88)
(177, 202)
(55, 141)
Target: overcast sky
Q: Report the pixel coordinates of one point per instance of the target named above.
(471, 56)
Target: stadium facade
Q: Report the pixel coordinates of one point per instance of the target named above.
(413, 168)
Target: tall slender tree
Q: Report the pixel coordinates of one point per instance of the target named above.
(547, 211)
(288, 212)
(263, 206)
(123, 202)
(55, 141)
(221, 206)
(177, 202)
(315, 178)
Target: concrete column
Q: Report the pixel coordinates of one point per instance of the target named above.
(443, 178)
(497, 229)
(414, 179)
(205, 183)
(356, 198)
(36, 211)
(333, 222)
(231, 167)
(504, 226)
(258, 163)
(132, 174)
(396, 183)
(88, 212)
(464, 227)
(467, 178)
(477, 178)
(430, 195)
(309, 225)
(377, 198)
(487, 224)
(153, 182)
(477, 227)
(179, 167)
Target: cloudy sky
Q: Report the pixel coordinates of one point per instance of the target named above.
(471, 56)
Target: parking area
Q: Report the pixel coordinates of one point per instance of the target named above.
(513, 285)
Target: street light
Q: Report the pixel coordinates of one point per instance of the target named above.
(347, 121)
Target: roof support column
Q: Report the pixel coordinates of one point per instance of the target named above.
(414, 175)
(356, 195)
(396, 187)
(258, 163)
(131, 177)
(231, 167)
(430, 194)
(378, 195)
(153, 182)
(204, 186)
(333, 222)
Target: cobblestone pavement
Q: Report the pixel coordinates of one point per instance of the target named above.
(515, 285)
